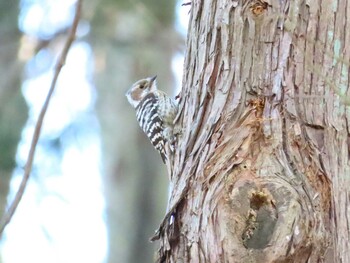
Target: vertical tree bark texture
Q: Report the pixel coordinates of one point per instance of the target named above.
(261, 171)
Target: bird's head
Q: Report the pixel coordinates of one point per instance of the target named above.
(140, 89)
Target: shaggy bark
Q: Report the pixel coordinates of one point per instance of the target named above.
(261, 167)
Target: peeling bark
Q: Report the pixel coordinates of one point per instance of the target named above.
(261, 167)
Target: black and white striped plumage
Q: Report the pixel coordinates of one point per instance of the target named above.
(155, 112)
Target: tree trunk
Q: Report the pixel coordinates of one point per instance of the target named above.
(262, 164)
(13, 109)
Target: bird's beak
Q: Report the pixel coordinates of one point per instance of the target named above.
(153, 79)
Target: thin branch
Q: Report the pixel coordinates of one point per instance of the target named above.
(5, 220)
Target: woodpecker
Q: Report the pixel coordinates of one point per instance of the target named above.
(155, 112)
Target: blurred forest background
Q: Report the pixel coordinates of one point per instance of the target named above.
(98, 190)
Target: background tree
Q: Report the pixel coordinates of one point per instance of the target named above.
(131, 40)
(12, 105)
(261, 171)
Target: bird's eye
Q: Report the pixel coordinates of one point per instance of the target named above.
(142, 86)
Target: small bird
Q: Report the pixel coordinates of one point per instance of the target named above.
(155, 112)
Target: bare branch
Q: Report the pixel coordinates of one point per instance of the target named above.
(5, 220)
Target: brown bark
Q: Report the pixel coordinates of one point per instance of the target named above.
(261, 167)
